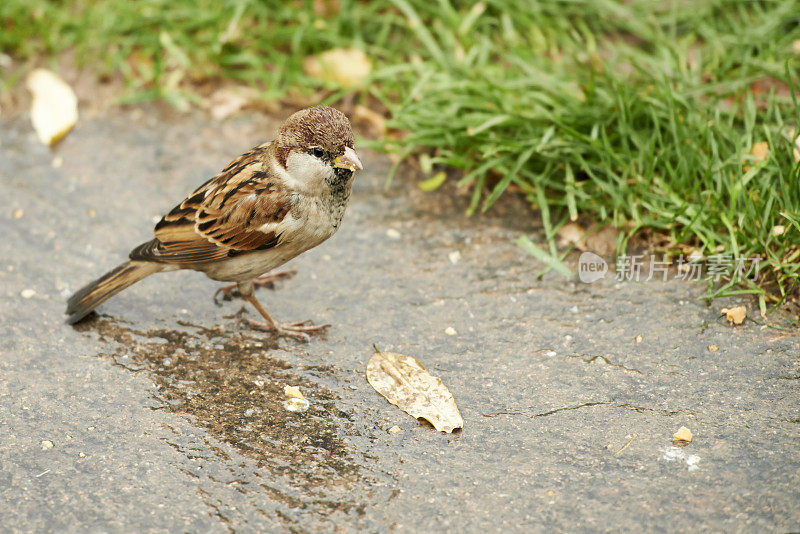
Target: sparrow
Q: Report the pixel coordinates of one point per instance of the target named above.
(266, 207)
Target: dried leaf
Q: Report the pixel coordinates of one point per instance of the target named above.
(54, 110)
(571, 233)
(602, 242)
(735, 315)
(292, 392)
(406, 384)
(683, 434)
(229, 101)
(344, 66)
(371, 119)
(760, 151)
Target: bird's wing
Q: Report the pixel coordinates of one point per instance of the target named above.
(237, 211)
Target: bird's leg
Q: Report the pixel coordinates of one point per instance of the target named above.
(265, 280)
(300, 330)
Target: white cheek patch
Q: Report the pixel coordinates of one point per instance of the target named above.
(306, 172)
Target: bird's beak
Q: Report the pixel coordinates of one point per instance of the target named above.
(349, 160)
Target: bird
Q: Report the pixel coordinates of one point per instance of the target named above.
(269, 205)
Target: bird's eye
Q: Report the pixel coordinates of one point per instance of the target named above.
(317, 152)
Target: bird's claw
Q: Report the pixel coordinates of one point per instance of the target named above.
(301, 330)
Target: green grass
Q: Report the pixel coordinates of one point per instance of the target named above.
(638, 114)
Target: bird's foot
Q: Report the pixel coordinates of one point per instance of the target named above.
(301, 331)
(265, 280)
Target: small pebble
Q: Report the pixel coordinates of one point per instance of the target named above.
(639, 338)
(81, 455)
(250, 412)
(395, 429)
(713, 348)
(454, 257)
(57, 162)
(391, 233)
(27, 293)
(46, 444)
(167, 362)
(91, 212)
(550, 353)
(18, 213)
(573, 309)
(296, 405)
(450, 331)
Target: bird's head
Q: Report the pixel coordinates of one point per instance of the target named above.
(315, 142)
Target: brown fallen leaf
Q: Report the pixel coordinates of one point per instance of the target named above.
(408, 385)
(54, 110)
(228, 101)
(344, 66)
(603, 241)
(735, 315)
(571, 233)
(683, 434)
(371, 119)
(600, 240)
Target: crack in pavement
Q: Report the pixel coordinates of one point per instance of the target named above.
(640, 409)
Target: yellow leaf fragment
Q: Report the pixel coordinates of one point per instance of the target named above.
(571, 233)
(344, 66)
(54, 110)
(735, 315)
(408, 385)
(713, 348)
(683, 434)
(292, 392)
(760, 151)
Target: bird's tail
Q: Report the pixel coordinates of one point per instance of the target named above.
(92, 295)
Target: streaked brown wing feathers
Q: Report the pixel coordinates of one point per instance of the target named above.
(223, 217)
